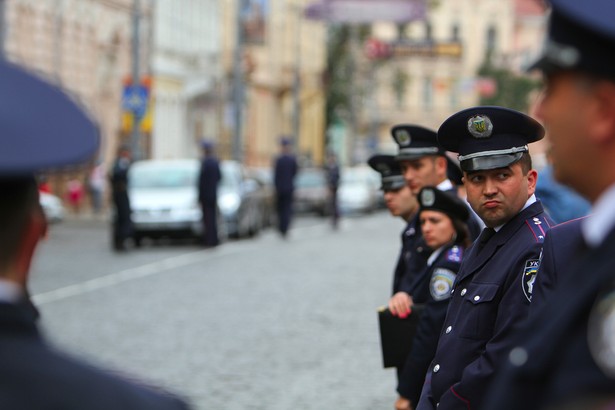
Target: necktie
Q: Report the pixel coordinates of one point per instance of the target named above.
(485, 235)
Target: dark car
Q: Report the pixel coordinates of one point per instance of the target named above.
(311, 191)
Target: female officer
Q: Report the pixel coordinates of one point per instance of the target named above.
(442, 218)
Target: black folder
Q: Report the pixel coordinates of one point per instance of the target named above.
(396, 335)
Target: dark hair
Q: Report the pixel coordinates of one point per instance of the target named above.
(526, 162)
(19, 198)
(463, 233)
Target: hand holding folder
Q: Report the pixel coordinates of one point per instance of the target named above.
(396, 335)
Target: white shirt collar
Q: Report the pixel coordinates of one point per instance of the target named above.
(529, 202)
(445, 185)
(10, 291)
(434, 255)
(597, 226)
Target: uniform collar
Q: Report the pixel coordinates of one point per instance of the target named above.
(432, 258)
(445, 185)
(597, 226)
(10, 292)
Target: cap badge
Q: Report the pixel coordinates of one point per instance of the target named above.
(403, 137)
(428, 197)
(480, 126)
(383, 168)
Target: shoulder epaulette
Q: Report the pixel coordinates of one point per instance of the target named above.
(455, 254)
(539, 227)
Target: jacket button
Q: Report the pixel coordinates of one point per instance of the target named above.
(448, 329)
(476, 298)
(436, 368)
(463, 291)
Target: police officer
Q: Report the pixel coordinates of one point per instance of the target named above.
(400, 202)
(41, 128)
(565, 355)
(122, 221)
(425, 163)
(492, 291)
(284, 172)
(442, 216)
(209, 178)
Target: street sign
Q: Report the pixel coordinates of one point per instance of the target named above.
(134, 99)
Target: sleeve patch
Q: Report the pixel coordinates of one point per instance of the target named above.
(441, 283)
(529, 277)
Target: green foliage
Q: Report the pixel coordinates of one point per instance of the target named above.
(512, 90)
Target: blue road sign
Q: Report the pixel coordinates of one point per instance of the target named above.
(134, 99)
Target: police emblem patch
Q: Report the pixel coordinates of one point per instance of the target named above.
(454, 254)
(529, 277)
(428, 197)
(403, 137)
(601, 333)
(480, 126)
(441, 284)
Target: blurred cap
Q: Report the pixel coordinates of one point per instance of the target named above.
(390, 171)
(40, 126)
(285, 141)
(581, 36)
(432, 199)
(207, 145)
(488, 137)
(415, 142)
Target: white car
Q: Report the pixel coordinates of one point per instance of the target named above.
(358, 190)
(52, 207)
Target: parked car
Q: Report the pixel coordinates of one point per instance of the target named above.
(52, 207)
(358, 191)
(164, 200)
(266, 192)
(239, 201)
(311, 191)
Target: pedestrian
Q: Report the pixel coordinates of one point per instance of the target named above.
(209, 178)
(74, 193)
(492, 290)
(284, 172)
(443, 217)
(122, 222)
(332, 170)
(34, 374)
(96, 186)
(564, 355)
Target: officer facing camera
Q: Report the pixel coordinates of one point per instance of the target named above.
(40, 129)
(492, 291)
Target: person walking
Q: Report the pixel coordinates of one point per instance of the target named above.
(332, 170)
(285, 170)
(122, 221)
(209, 178)
(42, 129)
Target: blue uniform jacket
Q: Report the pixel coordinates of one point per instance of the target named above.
(285, 169)
(35, 376)
(431, 287)
(412, 258)
(559, 247)
(558, 366)
(490, 298)
(209, 177)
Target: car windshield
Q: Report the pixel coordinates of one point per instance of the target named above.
(163, 177)
(308, 179)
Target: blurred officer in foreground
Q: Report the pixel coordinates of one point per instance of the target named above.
(400, 202)
(41, 128)
(122, 222)
(332, 169)
(443, 219)
(492, 291)
(284, 172)
(209, 178)
(565, 356)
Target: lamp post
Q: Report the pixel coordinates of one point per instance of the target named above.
(2, 28)
(238, 82)
(136, 135)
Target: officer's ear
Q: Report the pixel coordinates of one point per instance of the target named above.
(532, 177)
(602, 122)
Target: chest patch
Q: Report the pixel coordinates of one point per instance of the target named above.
(441, 284)
(529, 277)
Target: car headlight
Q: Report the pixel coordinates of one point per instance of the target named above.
(228, 203)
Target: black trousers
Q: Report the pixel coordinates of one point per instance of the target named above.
(285, 209)
(210, 225)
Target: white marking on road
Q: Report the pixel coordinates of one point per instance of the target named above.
(131, 274)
